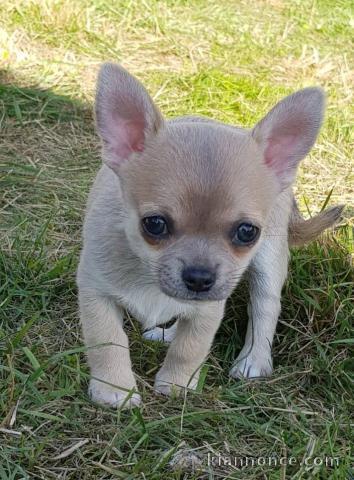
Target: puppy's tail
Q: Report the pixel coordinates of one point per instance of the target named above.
(302, 231)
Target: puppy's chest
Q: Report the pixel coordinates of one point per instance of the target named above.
(150, 306)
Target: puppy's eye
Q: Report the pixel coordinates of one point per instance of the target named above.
(155, 226)
(245, 234)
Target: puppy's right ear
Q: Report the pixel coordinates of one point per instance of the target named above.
(287, 133)
(126, 116)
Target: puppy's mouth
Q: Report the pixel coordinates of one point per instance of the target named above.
(186, 295)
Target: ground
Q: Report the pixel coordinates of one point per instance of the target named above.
(230, 60)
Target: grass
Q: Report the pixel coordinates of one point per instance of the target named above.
(230, 60)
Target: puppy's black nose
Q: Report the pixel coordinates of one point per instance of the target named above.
(198, 279)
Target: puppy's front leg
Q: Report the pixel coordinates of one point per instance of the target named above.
(189, 349)
(112, 379)
(267, 275)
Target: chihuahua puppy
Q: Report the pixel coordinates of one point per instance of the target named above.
(179, 212)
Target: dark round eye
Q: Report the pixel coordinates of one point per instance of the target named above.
(244, 234)
(155, 225)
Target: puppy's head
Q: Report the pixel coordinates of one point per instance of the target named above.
(197, 194)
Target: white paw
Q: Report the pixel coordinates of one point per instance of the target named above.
(252, 365)
(104, 394)
(167, 389)
(159, 334)
(168, 385)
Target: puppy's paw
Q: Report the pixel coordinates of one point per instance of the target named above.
(167, 389)
(174, 385)
(252, 365)
(159, 334)
(110, 396)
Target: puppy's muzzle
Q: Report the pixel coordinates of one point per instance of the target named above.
(198, 279)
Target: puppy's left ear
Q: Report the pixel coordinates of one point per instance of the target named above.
(126, 116)
(287, 133)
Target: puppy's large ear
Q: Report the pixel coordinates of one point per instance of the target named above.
(126, 116)
(287, 133)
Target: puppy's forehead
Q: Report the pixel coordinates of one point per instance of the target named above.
(200, 173)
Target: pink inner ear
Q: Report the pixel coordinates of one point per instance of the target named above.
(127, 137)
(279, 151)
